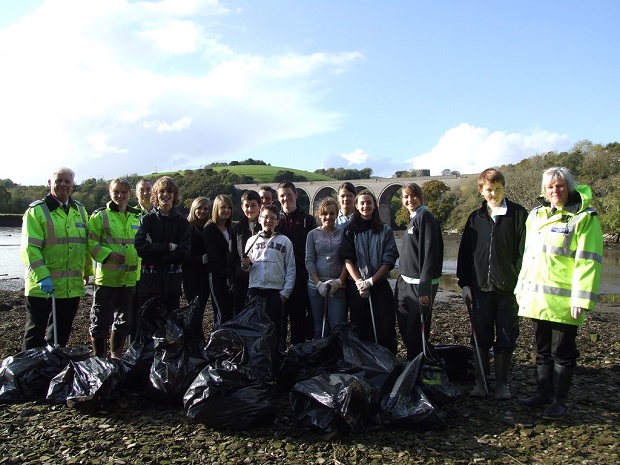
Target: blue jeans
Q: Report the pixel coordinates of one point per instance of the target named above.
(336, 310)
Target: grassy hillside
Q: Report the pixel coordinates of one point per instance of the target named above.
(263, 173)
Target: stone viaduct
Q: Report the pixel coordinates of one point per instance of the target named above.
(383, 189)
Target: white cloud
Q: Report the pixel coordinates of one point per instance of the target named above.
(470, 149)
(357, 157)
(175, 126)
(103, 86)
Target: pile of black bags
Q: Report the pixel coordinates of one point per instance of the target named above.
(336, 384)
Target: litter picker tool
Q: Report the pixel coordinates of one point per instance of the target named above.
(476, 346)
(372, 316)
(423, 331)
(54, 323)
(327, 287)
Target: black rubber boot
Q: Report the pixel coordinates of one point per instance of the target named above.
(563, 377)
(99, 346)
(480, 390)
(117, 341)
(544, 391)
(502, 368)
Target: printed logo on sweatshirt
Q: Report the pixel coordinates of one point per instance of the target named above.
(271, 245)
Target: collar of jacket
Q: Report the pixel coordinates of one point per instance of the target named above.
(53, 203)
(114, 207)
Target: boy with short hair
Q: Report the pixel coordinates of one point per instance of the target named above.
(246, 227)
(489, 260)
(295, 224)
(270, 261)
(266, 195)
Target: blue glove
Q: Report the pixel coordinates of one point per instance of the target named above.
(47, 285)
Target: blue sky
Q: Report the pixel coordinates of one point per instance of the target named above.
(116, 87)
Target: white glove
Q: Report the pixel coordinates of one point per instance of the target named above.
(335, 285)
(148, 238)
(576, 312)
(172, 247)
(322, 288)
(364, 284)
(205, 259)
(466, 293)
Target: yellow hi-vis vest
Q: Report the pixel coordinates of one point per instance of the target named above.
(562, 262)
(113, 231)
(54, 244)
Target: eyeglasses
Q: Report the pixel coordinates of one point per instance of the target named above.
(269, 218)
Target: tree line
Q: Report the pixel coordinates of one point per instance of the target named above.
(593, 164)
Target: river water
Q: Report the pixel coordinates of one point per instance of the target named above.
(12, 268)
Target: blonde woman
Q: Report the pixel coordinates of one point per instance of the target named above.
(195, 271)
(218, 233)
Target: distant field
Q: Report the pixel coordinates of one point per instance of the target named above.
(263, 173)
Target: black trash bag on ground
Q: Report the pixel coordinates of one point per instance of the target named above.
(152, 316)
(136, 364)
(27, 375)
(335, 403)
(257, 330)
(224, 396)
(437, 386)
(138, 358)
(380, 367)
(308, 359)
(95, 379)
(456, 360)
(407, 405)
(226, 347)
(179, 355)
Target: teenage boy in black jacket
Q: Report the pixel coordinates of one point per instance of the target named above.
(245, 228)
(489, 260)
(295, 224)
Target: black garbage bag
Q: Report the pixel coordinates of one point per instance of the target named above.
(225, 396)
(308, 359)
(335, 403)
(226, 347)
(179, 355)
(138, 358)
(27, 375)
(456, 360)
(152, 316)
(437, 386)
(378, 365)
(407, 405)
(95, 379)
(136, 364)
(257, 330)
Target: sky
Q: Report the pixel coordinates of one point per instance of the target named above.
(115, 87)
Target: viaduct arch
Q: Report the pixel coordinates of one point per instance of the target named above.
(384, 189)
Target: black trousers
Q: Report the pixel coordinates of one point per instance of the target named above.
(221, 299)
(408, 310)
(555, 342)
(39, 329)
(298, 311)
(383, 311)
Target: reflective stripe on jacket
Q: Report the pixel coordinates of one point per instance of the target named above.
(562, 262)
(113, 231)
(54, 244)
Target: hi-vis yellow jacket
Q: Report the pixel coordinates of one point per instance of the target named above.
(113, 231)
(562, 261)
(54, 243)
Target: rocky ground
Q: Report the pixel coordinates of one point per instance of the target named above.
(134, 430)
